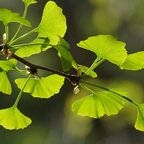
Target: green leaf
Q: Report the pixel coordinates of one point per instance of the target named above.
(98, 104)
(84, 69)
(106, 47)
(64, 54)
(139, 124)
(11, 118)
(34, 47)
(42, 88)
(7, 16)
(134, 61)
(5, 86)
(53, 23)
(29, 2)
(7, 65)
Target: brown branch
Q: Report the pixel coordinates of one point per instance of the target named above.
(74, 79)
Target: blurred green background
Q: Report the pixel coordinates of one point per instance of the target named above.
(53, 122)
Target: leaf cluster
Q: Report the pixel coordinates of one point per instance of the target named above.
(50, 34)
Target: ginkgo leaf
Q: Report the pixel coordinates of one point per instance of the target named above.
(84, 69)
(29, 2)
(11, 118)
(134, 61)
(34, 47)
(7, 65)
(7, 16)
(139, 124)
(64, 54)
(98, 104)
(5, 86)
(42, 88)
(106, 47)
(53, 23)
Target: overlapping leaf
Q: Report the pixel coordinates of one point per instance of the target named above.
(29, 2)
(106, 47)
(53, 23)
(12, 118)
(98, 104)
(134, 61)
(5, 86)
(42, 88)
(7, 16)
(34, 47)
(139, 124)
(7, 65)
(64, 54)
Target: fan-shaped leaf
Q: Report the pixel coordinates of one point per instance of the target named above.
(7, 16)
(7, 65)
(98, 104)
(53, 23)
(34, 47)
(139, 124)
(134, 61)
(5, 86)
(12, 118)
(42, 88)
(29, 2)
(106, 47)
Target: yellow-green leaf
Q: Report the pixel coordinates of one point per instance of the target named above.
(98, 104)
(11, 118)
(5, 86)
(106, 47)
(34, 47)
(7, 16)
(42, 88)
(53, 23)
(139, 124)
(7, 65)
(134, 61)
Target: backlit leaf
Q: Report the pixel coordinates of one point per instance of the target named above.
(5, 86)
(98, 104)
(134, 61)
(29, 2)
(139, 124)
(11, 118)
(53, 23)
(84, 69)
(7, 65)
(7, 16)
(64, 54)
(106, 47)
(42, 88)
(26, 51)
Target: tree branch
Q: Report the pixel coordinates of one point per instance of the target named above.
(74, 79)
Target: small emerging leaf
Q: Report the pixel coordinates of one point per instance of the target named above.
(42, 88)
(7, 65)
(134, 61)
(11, 118)
(106, 47)
(84, 69)
(53, 23)
(98, 104)
(5, 86)
(139, 124)
(7, 16)
(29, 2)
